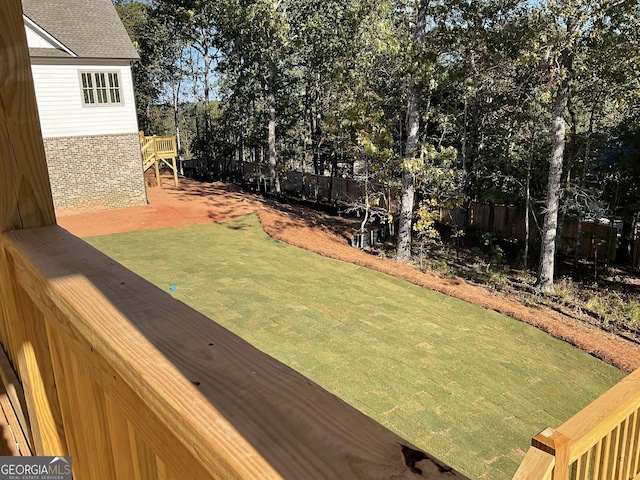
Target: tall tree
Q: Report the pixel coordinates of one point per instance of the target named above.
(257, 46)
(198, 22)
(558, 135)
(403, 245)
(137, 17)
(575, 24)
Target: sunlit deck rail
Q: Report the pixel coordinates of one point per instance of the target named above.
(116, 363)
(132, 383)
(599, 442)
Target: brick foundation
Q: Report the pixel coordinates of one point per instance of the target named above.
(94, 173)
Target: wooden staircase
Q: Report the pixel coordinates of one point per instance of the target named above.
(156, 151)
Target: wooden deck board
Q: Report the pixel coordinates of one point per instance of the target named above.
(12, 441)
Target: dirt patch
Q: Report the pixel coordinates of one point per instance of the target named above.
(193, 203)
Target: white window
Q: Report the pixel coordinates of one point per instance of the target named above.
(100, 88)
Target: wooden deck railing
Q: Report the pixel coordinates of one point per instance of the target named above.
(156, 150)
(600, 442)
(132, 383)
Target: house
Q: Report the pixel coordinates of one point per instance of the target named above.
(81, 62)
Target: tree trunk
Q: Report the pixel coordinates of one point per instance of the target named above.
(274, 183)
(240, 165)
(207, 116)
(527, 205)
(549, 233)
(527, 223)
(403, 245)
(583, 181)
(317, 132)
(176, 123)
(554, 187)
(587, 152)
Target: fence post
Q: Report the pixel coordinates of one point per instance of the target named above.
(556, 444)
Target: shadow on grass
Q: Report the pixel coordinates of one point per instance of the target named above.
(225, 200)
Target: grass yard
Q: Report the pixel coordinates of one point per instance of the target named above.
(468, 385)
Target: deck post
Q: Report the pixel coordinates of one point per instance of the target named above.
(156, 164)
(25, 202)
(175, 171)
(25, 192)
(556, 444)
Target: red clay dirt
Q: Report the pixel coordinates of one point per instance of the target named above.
(194, 203)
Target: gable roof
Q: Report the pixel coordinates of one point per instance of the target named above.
(88, 28)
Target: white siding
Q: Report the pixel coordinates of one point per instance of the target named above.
(62, 113)
(35, 40)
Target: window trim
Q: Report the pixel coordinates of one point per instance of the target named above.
(101, 87)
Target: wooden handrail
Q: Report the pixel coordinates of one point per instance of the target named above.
(537, 465)
(601, 441)
(603, 415)
(196, 399)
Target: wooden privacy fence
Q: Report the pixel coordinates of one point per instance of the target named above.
(601, 442)
(636, 253)
(156, 150)
(322, 188)
(598, 241)
(329, 189)
(132, 383)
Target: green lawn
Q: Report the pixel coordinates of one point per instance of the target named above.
(468, 385)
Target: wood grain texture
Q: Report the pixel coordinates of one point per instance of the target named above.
(597, 465)
(128, 411)
(557, 444)
(602, 439)
(8, 328)
(144, 458)
(25, 192)
(236, 411)
(85, 416)
(603, 415)
(15, 394)
(33, 360)
(12, 443)
(17, 435)
(636, 448)
(120, 441)
(537, 465)
(624, 450)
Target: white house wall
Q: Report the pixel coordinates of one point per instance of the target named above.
(59, 98)
(34, 40)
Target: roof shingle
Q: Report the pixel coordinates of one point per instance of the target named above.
(89, 28)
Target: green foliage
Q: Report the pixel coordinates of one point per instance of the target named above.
(338, 75)
(438, 186)
(427, 214)
(137, 18)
